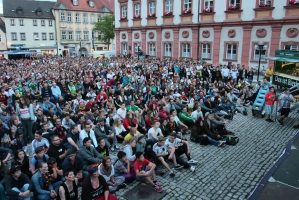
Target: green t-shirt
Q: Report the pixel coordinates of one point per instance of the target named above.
(133, 108)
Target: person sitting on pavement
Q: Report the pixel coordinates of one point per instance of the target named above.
(241, 105)
(69, 188)
(17, 184)
(166, 153)
(208, 130)
(71, 139)
(5, 154)
(105, 131)
(106, 169)
(219, 123)
(39, 141)
(186, 118)
(197, 114)
(4, 172)
(144, 169)
(132, 134)
(57, 150)
(41, 180)
(74, 161)
(88, 132)
(153, 133)
(21, 159)
(39, 157)
(89, 154)
(129, 149)
(123, 168)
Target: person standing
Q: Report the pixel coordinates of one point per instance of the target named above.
(270, 99)
(284, 104)
(25, 112)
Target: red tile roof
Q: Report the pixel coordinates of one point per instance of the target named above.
(83, 5)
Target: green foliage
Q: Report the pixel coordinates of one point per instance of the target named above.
(106, 27)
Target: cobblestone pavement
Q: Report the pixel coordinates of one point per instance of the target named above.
(231, 172)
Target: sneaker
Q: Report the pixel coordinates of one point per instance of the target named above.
(116, 146)
(221, 144)
(192, 162)
(112, 148)
(270, 120)
(172, 174)
(279, 122)
(178, 166)
(123, 185)
(158, 188)
(192, 168)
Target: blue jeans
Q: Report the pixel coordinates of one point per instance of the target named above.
(2, 192)
(213, 142)
(23, 189)
(47, 196)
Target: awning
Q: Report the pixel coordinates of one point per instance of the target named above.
(18, 52)
(282, 59)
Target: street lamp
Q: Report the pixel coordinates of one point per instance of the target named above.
(260, 47)
(138, 50)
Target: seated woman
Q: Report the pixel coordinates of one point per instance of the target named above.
(120, 130)
(164, 127)
(42, 183)
(140, 121)
(21, 159)
(163, 113)
(123, 168)
(106, 169)
(129, 122)
(129, 150)
(95, 186)
(149, 119)
(69, 189)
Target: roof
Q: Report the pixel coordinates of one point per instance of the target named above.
(83, 5)
(28, 9)
(2, 26)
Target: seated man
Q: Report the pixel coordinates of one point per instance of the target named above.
(181, 147)
(89, 154)
(144, 169)
(163, 154)
(57, 150)
(186, 118)
(132, 133)
(71, 139)
(5, 154)
(74, 161)
(211, 132)
(41, 180)
(219, 123)
(39, 141)
(105, 131)
(39, 157)
(153, 133)
(17, 184)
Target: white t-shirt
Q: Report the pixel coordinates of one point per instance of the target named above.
(234, 73)
(195, 114)
(174, 143)
(121, 112)
(159, 149)
(176, 119)
(154, 132)
(225, 72)
(120, 129)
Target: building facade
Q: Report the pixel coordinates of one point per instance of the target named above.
(75, 20)
(3, 46)
(218, 31)
(30, 26)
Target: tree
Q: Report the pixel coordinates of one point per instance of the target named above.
(106, 27)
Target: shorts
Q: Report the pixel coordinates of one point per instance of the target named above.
(141, 178)
(285, 111)
(269, 109)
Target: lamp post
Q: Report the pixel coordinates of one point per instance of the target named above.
(138, 50)
(80, 50)
(260, 47)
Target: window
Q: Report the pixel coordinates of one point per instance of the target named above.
(78, 35)
(209, 4)
(100, 36)
(63, 35)
(14, 36)
(50, 23)
(186, 50)
(137, 9)
(51, 36)
(23, 36)
(257, 54)
(12, 22)
(91, 3)
(124, 48)
(167, 50)
(70, 35)
(168, 5)
(92, 18)
(21, 22)
(77, 17)
(85, 35)
(35, 36)
(99, 18)
(235, 3)
(206, 52)
(136, 48)
(44, 36)
(42, 22)
(293, 47)
(124, 11)
(75, 2)
(187, 4)
(152, 49)
(69, 17)
(85, 18)
(152, 7)
(265, 3)
(62, 17)
(34, 22)
(231, 51)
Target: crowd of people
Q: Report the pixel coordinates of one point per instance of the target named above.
(100, 123)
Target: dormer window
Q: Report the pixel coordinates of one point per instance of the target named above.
(91, 3)
(39, 12)
(75, 2)
(19, 11)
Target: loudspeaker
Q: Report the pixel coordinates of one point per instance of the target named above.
(130, 48)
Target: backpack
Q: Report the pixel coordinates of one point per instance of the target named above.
(232, 140)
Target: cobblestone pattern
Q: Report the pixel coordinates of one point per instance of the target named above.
(231, 172)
